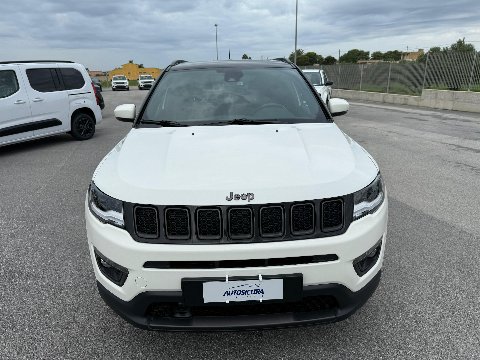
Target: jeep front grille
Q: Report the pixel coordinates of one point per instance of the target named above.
(177, 223)
(271, 221)
(332, 218)
(240, 223)
(146, 221)
(243, 223)
(209, 224)
(303, 219)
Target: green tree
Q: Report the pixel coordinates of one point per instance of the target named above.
(303, 60)
(300, 52)
(313, 58)
(460, 45)
(377, 55)
(394, 55)
(246, 57)
(141, 66)
(354, 55)
(329, 60)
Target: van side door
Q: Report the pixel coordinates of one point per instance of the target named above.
(48, 99)
(15, 114)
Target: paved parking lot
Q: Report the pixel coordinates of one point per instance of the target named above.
(427, 305)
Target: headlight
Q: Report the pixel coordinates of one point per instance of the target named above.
(369, 199)
(104, 207)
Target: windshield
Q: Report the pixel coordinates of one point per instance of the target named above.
(146, 77)
(231, 95)
(121, 77)
(313, 77)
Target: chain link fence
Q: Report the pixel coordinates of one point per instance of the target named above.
(446, 70)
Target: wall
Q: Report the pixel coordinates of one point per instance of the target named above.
(435, 99)
(131, 71)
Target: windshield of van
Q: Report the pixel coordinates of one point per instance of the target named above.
(120, 77)
(221, 96)
(146, 77)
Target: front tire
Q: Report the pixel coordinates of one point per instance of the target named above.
(83, 126)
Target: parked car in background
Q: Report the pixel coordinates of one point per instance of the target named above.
(44, 98)
(145, 82)
(235, 201)
(319, 80)
(99, 97)
(120, 82)
(97, 83)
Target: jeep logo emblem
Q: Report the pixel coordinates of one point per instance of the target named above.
(247, 196)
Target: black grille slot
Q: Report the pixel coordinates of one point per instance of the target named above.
(223, 264)
(302, 219)
(332, 215)
(271, 221)
(146, 221)
(240, 223)
(177, 224)
(209, 224)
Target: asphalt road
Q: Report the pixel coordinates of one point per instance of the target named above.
(426, 307)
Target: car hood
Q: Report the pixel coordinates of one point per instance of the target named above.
(202, 165)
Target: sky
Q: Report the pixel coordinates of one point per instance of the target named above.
(103, 34)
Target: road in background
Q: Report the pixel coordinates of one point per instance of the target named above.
(425, 307)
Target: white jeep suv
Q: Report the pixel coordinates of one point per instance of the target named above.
(44, 98)
(120, 82)
(145, 82)
(319, 80)
(235, 202)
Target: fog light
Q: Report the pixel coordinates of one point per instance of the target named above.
(366, 261)
(112, 271)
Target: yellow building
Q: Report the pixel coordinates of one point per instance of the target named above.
(132, 71)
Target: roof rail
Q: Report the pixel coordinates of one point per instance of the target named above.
(36, 61)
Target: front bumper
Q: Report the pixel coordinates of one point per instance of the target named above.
(139, 312)
(119, 86)
(145, 86)
(145, 286)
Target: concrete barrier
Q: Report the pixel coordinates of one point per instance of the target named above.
(435, 99)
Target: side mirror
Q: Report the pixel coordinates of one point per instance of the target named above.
(329, 83)
(338, 106)
(125, 112)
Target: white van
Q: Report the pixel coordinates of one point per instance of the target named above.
(43, 98)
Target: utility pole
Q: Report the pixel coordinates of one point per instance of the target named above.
(216, 39)
(296, 25)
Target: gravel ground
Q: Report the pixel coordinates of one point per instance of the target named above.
(426, 306)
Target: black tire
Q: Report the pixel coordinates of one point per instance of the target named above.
(83, 126)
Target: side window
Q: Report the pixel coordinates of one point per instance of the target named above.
(72, 78)
(8, 83)
(43, 80)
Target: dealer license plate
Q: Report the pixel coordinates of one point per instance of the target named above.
(244, 290)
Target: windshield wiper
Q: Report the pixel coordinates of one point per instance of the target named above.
(164, 123)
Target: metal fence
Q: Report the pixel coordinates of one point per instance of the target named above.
(444, 70)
